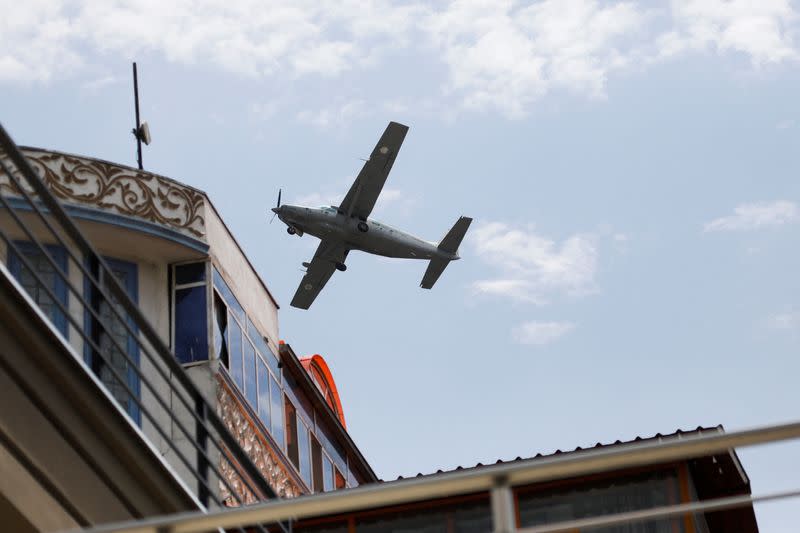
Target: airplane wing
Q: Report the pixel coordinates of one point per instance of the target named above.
(364, 192)
(319, 272)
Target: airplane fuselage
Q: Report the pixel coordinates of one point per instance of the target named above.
(327, 223)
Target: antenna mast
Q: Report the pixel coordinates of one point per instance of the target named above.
(136, 130)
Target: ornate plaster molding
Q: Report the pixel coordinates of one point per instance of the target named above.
(256, 447)
(99, 184)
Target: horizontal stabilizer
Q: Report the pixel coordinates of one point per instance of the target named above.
(434, 270)
(453, 239)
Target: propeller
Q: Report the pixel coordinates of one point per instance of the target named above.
(276, 209)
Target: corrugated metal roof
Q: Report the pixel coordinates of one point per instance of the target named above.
(658, 436)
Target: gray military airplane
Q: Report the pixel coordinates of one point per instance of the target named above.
(348, 227)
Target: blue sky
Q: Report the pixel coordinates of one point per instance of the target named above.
(631, 168)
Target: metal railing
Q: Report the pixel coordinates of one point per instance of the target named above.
(155, 389)
(498, 482)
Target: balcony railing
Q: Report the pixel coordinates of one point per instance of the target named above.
(119, 344)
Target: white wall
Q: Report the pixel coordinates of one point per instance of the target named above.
(241, 277)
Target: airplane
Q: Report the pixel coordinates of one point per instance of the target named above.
(348, 226)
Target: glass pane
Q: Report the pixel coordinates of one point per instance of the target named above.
(191, 337)
(220, 329)
(305, 411)
(304, 452)
(605, 497)
(191, 273)
(41, 265)
(263, 348)
(227, 295)
(333, 448)
(263, 392)
(251, 393)
(290, 417)
(117, 360)
(422, 521)
(327, 474)
(235, 342)
(475, 517)
(338, 479)
(276, 401)
(316, 464)
(352, 480)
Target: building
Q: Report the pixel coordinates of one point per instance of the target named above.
(170, 390)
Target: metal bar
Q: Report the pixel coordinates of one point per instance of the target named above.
(96, 348)
(58, 212)
(136, 132)
(468, 481)
(94, 279)
(93, 342)
(203, 461)
(667, 511)
(502, 502)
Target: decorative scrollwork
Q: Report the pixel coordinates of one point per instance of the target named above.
(256, 447)
(124, 190)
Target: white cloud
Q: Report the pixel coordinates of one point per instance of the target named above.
(531, 267)
(784, 321)
(756, 216)
(496, 54)
(761, 30)
(539, 333)
(501, 55)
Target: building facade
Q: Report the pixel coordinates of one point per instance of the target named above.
(174, 256)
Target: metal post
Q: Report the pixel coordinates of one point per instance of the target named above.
(136, 129)
(502, 499)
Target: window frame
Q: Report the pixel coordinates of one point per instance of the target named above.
(209, 308)
(131, 287)
(59, 256)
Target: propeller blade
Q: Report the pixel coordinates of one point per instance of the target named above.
(273, 217)
(279, 198)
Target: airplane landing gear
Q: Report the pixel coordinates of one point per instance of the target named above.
(341, 267)
(290, 230)
(362, 227)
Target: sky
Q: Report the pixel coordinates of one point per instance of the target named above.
(631, 168)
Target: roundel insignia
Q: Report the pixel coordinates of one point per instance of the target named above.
(384, 150)
(308, 286)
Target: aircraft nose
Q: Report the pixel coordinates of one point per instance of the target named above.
(276, 210)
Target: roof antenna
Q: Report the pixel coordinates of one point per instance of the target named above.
(142, 130)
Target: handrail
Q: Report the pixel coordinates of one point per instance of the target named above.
(461, 482)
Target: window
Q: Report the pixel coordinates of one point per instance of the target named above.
(235, 355)
(327, 473)
(304, 451)
(466, 517)
(338, 479)
(606, 497)
(249, 361)
(110, 333)
(316, 464)
(221, 330)
(263, 393)
(44, 269)
(276, 408)
(191, 329)
(290, 416)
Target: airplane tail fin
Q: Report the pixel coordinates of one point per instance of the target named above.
(449, 244)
